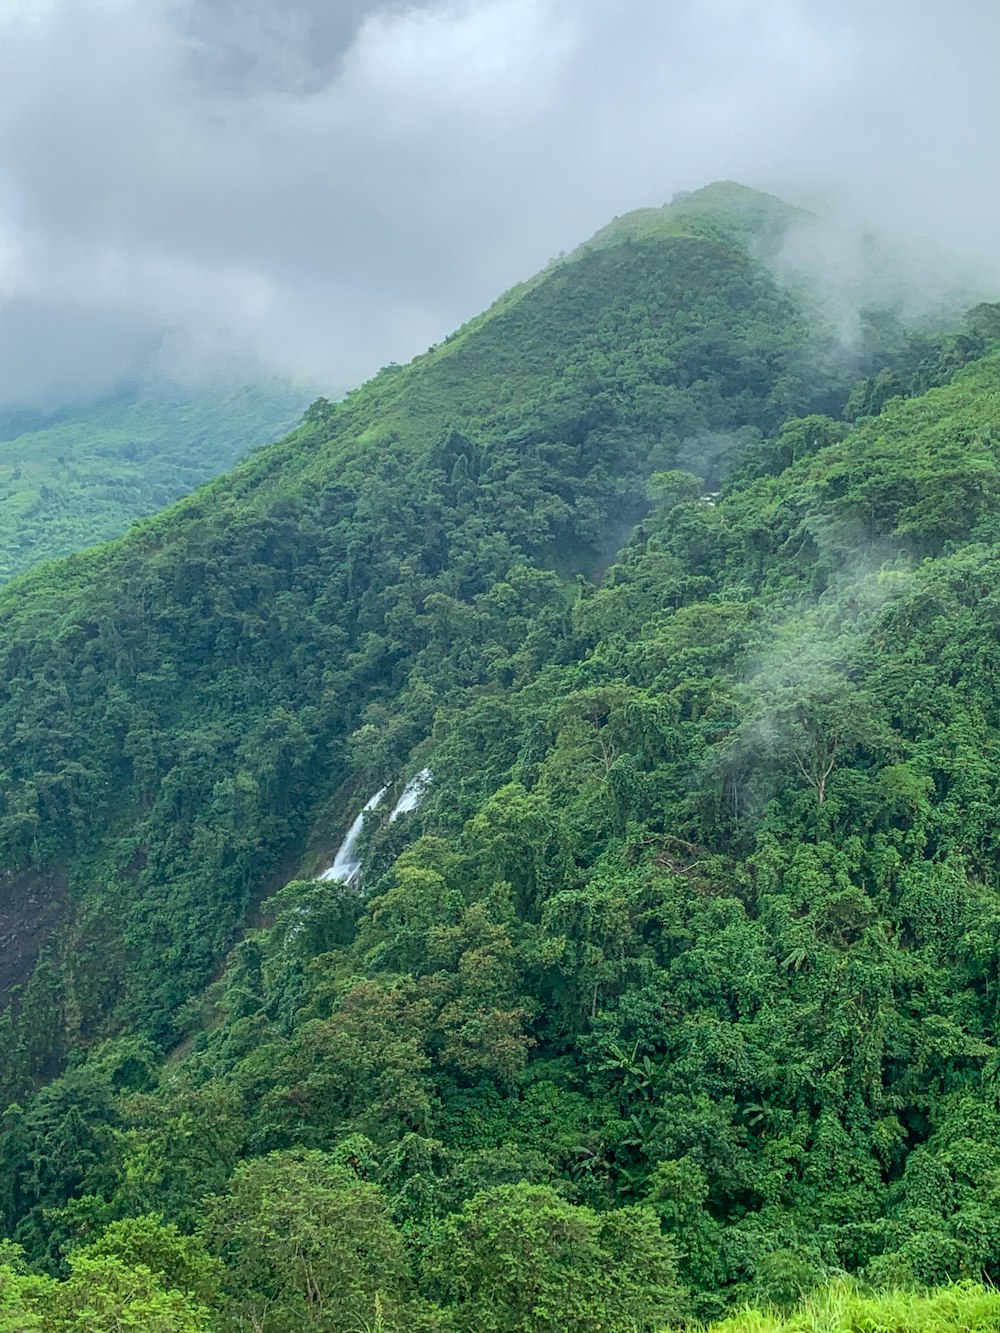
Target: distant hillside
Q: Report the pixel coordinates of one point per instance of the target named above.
(84, 475)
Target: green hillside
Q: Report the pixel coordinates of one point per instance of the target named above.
(84, 475)
(677, 989)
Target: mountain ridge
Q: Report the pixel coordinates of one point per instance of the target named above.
(685, 952)
(572, 331)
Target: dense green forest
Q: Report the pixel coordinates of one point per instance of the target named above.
(81, 475)
(677, 992)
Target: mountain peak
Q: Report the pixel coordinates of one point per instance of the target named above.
(725, 209)
(730, 198)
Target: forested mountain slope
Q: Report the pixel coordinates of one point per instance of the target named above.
(683, 970)
(82, 476)
(241, 636)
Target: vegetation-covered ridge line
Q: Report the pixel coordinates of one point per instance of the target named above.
(695, 217)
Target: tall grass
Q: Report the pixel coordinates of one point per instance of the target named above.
(842, 1308)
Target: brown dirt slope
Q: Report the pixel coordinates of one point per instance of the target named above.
(31, 906)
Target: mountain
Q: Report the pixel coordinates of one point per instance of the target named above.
(666, 625)
(278, 604)
(82, 475)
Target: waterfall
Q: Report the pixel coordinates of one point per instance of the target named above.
(413, 794)
(346, 864)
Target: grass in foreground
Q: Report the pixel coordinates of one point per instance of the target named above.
(841, 1308)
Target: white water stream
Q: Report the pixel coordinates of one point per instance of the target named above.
(413, 794)
(347, 864)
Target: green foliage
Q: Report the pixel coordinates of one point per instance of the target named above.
(678, 990)
(307, 1245)
(179, 1262)
(101, 1295)
(518, 1259)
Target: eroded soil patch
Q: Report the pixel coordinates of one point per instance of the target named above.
(31, 906)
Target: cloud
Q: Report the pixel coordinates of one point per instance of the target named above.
(316, 188)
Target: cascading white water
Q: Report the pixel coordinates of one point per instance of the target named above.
(413, 794)
(347, 864)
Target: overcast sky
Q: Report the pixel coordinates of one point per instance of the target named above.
(321, 186)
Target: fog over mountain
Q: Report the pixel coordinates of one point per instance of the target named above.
(207, 188)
